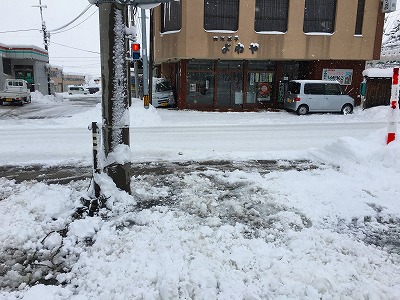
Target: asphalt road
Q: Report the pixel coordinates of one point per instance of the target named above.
(39, 110)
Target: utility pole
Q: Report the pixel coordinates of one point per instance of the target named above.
(114, 79)
(115, 102)
(46, 36)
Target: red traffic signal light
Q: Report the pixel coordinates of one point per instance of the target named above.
(135, 51)
(135, 47)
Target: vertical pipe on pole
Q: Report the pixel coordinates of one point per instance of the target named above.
(394, 109)
(115, 106)
(146, 98)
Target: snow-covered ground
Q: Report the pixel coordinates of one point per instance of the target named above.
(331, 231)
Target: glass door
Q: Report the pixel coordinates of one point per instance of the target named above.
(229, 90)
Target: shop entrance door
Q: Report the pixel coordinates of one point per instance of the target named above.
(229, 90)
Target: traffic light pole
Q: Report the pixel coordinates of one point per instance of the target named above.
(115, 102)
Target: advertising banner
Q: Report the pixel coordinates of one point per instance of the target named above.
(344, 76)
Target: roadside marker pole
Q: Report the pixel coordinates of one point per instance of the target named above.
(96, 169)
(393, 115)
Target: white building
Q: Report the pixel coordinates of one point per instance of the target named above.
(24, 62)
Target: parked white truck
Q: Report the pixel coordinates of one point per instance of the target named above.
(15, 91)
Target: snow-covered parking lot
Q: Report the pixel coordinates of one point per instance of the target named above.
(263, 205)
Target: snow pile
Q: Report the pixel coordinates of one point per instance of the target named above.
(215, 235)
(138, 115)
(38, 97)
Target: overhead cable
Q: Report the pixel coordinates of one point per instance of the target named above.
(20, 30)
(75, 25)
(62, 27)
(75, 48)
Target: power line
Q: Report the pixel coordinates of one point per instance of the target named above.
(76, 48)
(62, 27)
(75, 25)
(19, 30)
(77, 57)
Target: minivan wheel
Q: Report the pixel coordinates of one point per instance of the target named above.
(347, 109)
(302, 110)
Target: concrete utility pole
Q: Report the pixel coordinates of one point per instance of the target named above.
(114, 80)
(115, 102)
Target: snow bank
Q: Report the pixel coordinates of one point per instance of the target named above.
(138, 115)
(38, 97)
(376, 72)
(278, 235)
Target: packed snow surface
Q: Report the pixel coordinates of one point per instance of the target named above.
(325, 232)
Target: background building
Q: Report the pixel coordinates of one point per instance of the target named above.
(239, 55)
(60, 80)
(24, 62)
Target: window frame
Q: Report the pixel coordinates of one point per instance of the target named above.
(219, 18)
(277, 12)
(359, 17)
(174, 15)
(315, 11)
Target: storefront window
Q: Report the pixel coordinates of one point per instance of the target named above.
(259, 87)
(261, 65)
(230, 65)
(202, 65)
(200, 89)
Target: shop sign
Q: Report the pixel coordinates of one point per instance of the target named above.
(344, 76)
(239, 47)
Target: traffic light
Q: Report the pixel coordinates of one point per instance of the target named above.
(135, 51)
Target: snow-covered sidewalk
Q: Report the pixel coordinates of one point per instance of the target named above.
(330, 232)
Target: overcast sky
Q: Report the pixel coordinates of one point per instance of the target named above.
(20, 15)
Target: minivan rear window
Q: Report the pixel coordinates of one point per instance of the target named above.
(294, 87)
(314, 88)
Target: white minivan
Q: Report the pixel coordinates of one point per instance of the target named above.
(163, 93)
(317, 96)
(77, 90)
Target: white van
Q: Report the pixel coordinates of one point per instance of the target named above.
(317, 96)
(77, 90)
(162, 94)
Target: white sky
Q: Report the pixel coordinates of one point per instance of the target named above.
(19, 15)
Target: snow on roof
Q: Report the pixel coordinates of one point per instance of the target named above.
(376, 72)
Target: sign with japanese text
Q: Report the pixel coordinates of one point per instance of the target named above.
(344, 76)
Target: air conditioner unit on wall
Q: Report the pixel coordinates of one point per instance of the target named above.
(389, 6)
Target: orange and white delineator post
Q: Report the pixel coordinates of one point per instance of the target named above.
(393, 115)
